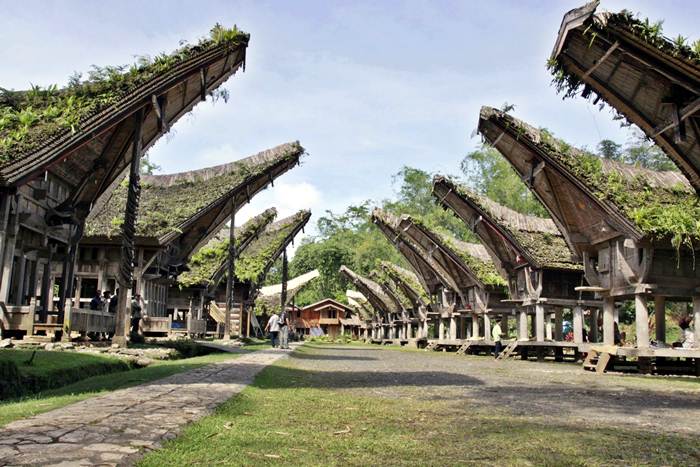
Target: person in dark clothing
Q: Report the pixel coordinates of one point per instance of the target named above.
(136, 313)
(96, 302)
(113, 302)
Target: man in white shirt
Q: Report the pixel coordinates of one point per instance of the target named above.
(496, 334)
(273, 326)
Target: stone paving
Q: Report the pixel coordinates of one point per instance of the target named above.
(116, 429)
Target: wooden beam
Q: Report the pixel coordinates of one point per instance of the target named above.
(605, 56)
(677, 116)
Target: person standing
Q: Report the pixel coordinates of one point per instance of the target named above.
(496, 334)
(284, 329)
(273, 327)
(136, 312)
(96, 302)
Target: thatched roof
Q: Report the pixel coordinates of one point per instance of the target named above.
(408, 282)
(594, 197)
(391, 288)
(359, 303)
(270, 296)
(86, 129)
(256, 260)
(375, 294)
(388, 225)
(172, 204)
(208, 264)
(510, 237)
(459, 259)
(652, 81)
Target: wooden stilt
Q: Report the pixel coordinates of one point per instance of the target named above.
(475, 326)
(593, 334)
(641, 320)
(487, 327)
(608, 321)
(522, 326)
(696, 320)
(230, 271)
(660, 318)
(539, 322)
(453, 327)
(558, 325)
(578, 324)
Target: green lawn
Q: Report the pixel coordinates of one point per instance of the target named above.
(55, 398)
(294, 417)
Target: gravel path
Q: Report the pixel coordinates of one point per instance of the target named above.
(116, 428)
(561, 390)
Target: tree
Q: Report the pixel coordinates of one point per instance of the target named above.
(609, 149)
(638, 151)
(490, 174)
(148, 167)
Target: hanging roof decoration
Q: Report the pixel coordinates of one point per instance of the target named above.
(652, 81)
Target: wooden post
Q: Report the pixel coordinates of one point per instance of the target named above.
(522, 325)
(46, 286)
(126, 266)
(696, 319)
(504, 324)
(231, 272)
(578, 324)
(285, 278)
(593, 335)
(487, 327)
(475, 326)
(441, 330)
(539, 322)
(660, 318)
(453, 327)
(641, 316)
(548, 330)
(558, 325)
(608, 321)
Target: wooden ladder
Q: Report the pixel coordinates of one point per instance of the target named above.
(431, 345)
(597, 362)
(463, 348)
(508, 351)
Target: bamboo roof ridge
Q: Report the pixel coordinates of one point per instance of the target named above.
(169, 204)
(380, 301)
(652, 81)
(270, 296)
(89, 124)
(208, 264)
(253, 264)
(529, 239)
(630, 200)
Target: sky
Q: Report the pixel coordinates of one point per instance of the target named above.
(366, 87)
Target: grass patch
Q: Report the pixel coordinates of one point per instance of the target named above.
(90, 387)
(294, 416)
(24, 372)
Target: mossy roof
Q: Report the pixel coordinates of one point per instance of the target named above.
(169, 202)
(409, 279)
(373, 291)
(270, 296)
(537, 237)
(661, 204)
(381, 276)
(209, 259)
(476, 258)
(38, 117)
(254, 262)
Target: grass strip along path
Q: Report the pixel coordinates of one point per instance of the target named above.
(352, 405)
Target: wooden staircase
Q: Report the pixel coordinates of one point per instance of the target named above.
(597, 362)
(508, 352)
(462, 350)
(432, 345)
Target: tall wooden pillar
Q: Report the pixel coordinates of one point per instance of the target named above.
(504, 324)
(487, 327)
(522, 325)
(548, 330)
(641, 316)
(593, 335)
(453, 327)
(231, 273)
(558, 325)
(126, 266)
(285, 278)
(696, 319)
(608, 321)
(660, 318)
(441, 329)
(539, 322)
(475, 326)
(578, 324)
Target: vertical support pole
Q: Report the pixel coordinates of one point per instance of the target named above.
(641, 316)
(558, 325)
(522, 325)
(539, 322)
(441, 330)
(67, 281)
(593, 335)
(696, 319)
(504, 324)
(46, 287)
(608, 321)
(453, 327)
(548, 330)
(487, 327)
(426, 327)
(126, 266)
(578, 324)
(285, 278)
(231, 271)
(660, 318)
(475, 326)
